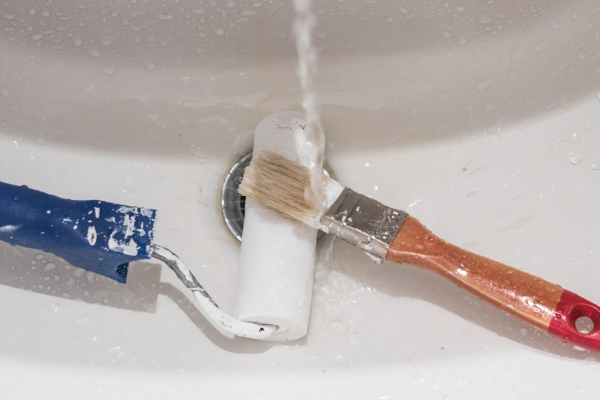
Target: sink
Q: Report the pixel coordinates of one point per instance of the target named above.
(479, 118)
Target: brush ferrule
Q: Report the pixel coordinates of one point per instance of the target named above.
(363, 222)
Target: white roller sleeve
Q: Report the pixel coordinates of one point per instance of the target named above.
(278, 255)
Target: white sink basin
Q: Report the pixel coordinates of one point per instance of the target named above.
(479, 119)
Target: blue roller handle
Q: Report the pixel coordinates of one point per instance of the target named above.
(94, 235)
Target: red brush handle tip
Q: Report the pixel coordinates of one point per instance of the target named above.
(569, 309)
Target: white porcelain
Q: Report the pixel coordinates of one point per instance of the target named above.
(479, 118)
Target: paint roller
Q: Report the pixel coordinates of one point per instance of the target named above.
(277, 255)
(103, 238)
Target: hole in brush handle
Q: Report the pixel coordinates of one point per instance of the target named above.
(570, 309)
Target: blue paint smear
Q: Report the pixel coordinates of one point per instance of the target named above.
(94, 235)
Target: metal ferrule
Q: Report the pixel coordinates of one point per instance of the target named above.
(363, 222)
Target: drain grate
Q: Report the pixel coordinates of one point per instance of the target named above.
(233, 205)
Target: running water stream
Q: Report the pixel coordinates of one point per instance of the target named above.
(335, 296)
(307, 68)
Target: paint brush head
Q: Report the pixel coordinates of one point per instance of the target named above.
(284, 186)
(280, 184)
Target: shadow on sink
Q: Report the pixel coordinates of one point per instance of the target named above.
(44, 273)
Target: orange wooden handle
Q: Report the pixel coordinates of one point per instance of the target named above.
(532, 299)
(525, 296)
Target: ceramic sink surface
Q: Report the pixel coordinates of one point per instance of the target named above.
(479, 118)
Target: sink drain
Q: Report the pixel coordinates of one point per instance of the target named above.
(233, 205)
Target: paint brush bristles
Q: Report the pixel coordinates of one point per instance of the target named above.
(282, 185)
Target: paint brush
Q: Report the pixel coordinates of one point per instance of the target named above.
(393, 235)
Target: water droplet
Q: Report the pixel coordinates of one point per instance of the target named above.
(37, 37)
(568, 259)
(446, 34)
(483, 85)
(95, 53)
(419, 247)
(485, 20)
(108, 40)
(518, 55)
(219, 31)
(581, 271)
(523, 332)
(150, 66)
(541, 46)
(568, 136)
(165, 17)
(78, 42)
(577, 159)
(462, 42)
(110, 70)
(596, 165)
(336, 327)
(585, 254)
(49, 266)
(5, 93)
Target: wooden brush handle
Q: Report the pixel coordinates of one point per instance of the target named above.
(532, 299)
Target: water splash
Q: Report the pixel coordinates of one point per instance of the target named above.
(336, 305)
(307, 68)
